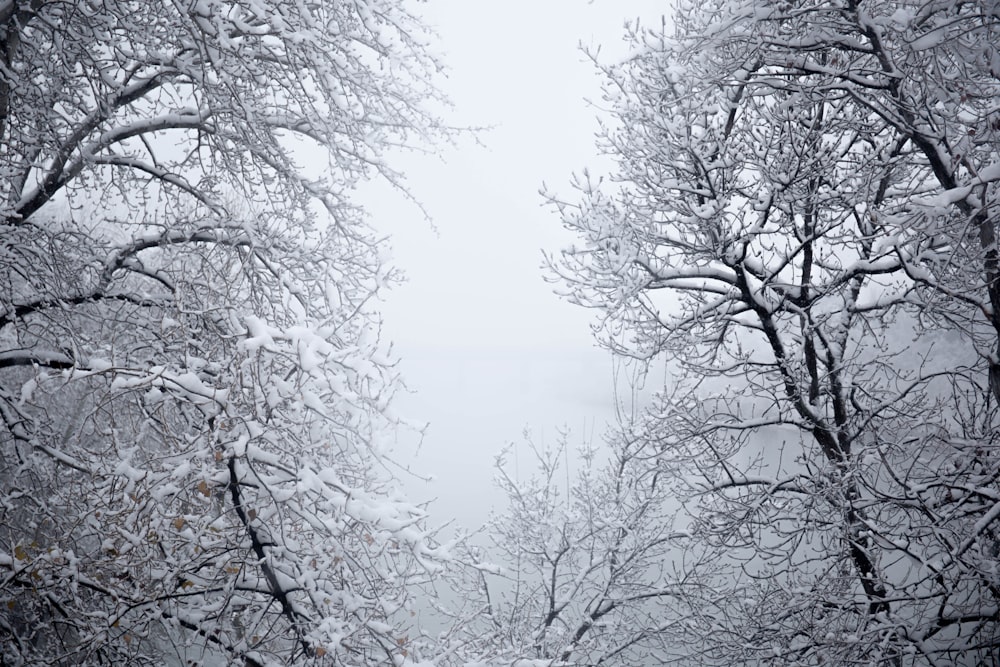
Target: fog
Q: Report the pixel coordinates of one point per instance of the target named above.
(487, 349)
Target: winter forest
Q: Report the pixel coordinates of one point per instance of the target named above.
(791, 238)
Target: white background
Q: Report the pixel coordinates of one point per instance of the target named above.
(487, 349)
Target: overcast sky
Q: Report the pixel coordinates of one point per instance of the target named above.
(488, 350)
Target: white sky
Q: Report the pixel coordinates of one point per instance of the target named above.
(487, 348)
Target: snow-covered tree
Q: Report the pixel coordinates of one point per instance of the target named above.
(193, 389)
(579, 574)
(802, 227)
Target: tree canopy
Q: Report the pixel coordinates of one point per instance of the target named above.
(193, 388)
(802, 229)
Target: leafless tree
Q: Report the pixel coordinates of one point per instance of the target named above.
(193, 388)
(802, 225)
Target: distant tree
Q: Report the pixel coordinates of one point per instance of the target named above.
(802, 227)
(578, 575)
(193, 389)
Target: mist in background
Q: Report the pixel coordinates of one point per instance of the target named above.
(488, 350)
